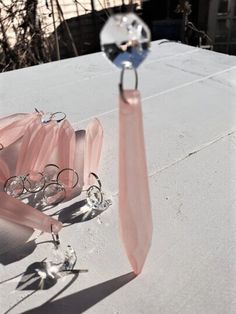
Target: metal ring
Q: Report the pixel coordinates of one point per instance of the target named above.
(37, 189)
(55, 238)
(46, 117)
(97, 178)
(1, 146)
(62, 189)
(122, 79)
(90, 192)
(7, 182)
(70, 169)
(53, 117)
(47, 166)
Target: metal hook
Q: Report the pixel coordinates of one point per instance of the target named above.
(55, 238)
(51, 116)
(122, 79)
(97, 178)
(58, 113)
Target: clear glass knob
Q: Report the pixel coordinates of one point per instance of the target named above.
(125, 39)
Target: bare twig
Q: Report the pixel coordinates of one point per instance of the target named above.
(67, 28)
(55, 32)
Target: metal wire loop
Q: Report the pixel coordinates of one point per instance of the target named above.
(74, 172)
(13, 180)
(51, 165)
(60, 187)
(51, 116)
(1, 146)
(97, 178)
(58, 113)
(122, 77)
(121, 84)
(36, 189)
(55, 238)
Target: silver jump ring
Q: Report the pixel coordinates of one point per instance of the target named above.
(94, 196)
(46, 190)
(47, 177)
(69, 169)
(121, 87)
(94, 193)
(97, 178)
(55, 114)
(34, 189)
(51, 165)
(46, 117)
(12, 181)
(55, 238)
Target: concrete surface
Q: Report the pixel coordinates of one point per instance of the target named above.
(189, 99)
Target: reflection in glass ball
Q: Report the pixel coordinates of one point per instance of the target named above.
(125, 39)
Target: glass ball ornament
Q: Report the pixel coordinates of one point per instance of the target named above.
(125, 40)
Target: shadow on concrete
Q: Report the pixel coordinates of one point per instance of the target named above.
(18, 253)
(81, 301)
(39, 276)
(13, 242)
(34, 280)
(77, 212)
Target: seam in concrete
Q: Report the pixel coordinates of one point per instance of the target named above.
(170, 90)
(202, 147)
(189, 83)
(172, 56)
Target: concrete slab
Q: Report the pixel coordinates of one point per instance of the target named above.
(190, 129)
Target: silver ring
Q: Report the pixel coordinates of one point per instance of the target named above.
(8, 183)
(51, 165)
(61, 189)
(69, 169)
(98, 200)
(122, 79)
(55, 114)
(36, 190)
(55, 238)
(1, 146)
(46, 117)
(45, 174)
(97, 178)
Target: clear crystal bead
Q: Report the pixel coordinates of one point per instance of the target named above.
(62, 260)
(70, 259)
(125, 39)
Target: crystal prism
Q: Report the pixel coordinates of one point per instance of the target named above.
(125, 40)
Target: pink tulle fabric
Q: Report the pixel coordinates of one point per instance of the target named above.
(29, 145)
(134, 200)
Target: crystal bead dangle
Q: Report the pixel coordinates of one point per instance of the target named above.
(125, 39)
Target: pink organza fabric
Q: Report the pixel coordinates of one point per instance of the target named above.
(134, 200)
(30, 146)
